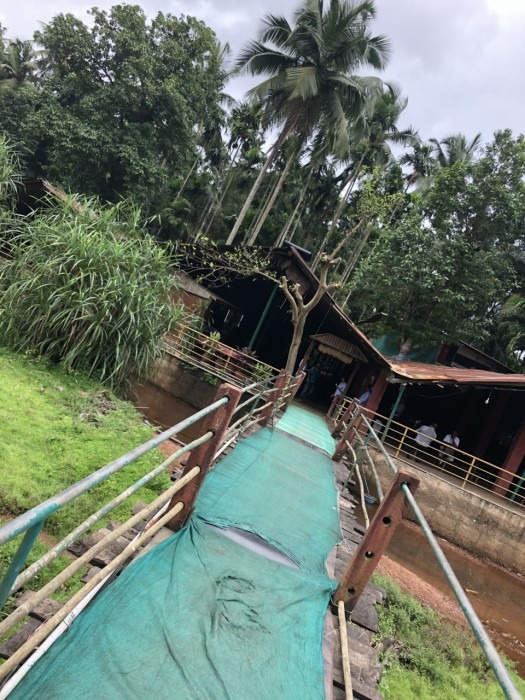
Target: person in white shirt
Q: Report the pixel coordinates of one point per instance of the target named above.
(363, 399)
(337, 396)
(425, 435)
(451, 441)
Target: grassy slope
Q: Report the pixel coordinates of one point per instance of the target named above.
(56, 428)
(428, 658)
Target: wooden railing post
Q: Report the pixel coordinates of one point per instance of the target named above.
(376, 539)
(202, 456)
(347, 415)
(294, 388)
(279, 385)
(347, 436)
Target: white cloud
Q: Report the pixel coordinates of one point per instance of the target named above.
(459, 62)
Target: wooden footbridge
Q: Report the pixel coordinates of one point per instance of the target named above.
(247, 578)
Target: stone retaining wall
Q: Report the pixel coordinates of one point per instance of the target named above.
(487, 530)
(185, 385)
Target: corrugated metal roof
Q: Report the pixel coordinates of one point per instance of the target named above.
(191, 286)
(344, 346)
(419, 372)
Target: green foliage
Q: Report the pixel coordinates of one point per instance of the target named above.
(210, 379)
(9, 171)
(428, 658)
(86, 287)
(57, 427)
(114, 110)
(415, 275)
(261, 372)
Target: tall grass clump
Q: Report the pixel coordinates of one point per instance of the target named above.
(86, 286)
(9, 171)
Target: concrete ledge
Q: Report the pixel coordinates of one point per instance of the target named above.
(188, 386)
(487, 530)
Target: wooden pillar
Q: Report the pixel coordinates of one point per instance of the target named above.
(202, 456)
(378, 391)
(512, 462)
(376, 539)
(495, 410)
(294, 388)
(306, 356)
(279, 386)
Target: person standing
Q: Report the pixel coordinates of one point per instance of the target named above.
(425, 435)
(450, 443)
(363, 399)
(310, 381)
(337, 396)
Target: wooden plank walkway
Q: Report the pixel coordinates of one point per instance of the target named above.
(365, 667)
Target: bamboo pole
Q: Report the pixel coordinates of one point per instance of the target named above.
(52, 554)
(345, 656)
(19, 614)
(51, 624)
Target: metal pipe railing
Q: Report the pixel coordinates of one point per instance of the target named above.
(53, 622)
(87, 524)
(51, 505)
(447, 458)
(32, 521)
(473, 620)
(215, 357)
(50, 587)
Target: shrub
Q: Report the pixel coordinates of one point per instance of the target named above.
(88, 287)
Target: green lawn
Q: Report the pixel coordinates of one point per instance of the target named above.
(56, 428)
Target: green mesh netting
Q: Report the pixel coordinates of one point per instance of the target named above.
(280, 489)
(307, 426)
(203, 617)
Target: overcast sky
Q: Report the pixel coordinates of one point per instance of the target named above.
(460, 62)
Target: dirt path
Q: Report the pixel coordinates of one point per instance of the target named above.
(423, 591)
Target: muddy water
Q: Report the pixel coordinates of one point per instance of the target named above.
(165, 410)
(497, 596)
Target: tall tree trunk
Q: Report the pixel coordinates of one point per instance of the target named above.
(356, 255)
(300, 310)
(228, 179)
(291, 219)
(265, 198)
(185, 182)
(197, 231)
(271, 201)
(348, 184)
(297, 336)
(249, 199)
(406, 345)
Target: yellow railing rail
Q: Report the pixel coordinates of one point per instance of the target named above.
(469, 470)
(209, 354)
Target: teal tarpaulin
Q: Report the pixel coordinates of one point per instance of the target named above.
(198, 617)
(203, 617)
(307, 426)
(280, 489)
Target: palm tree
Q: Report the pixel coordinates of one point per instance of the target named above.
(374, 132)
(455, 149)
(18, 64)
(311, 84)
(422, 165)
